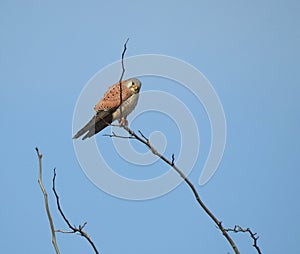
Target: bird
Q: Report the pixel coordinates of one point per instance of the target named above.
(109, 108)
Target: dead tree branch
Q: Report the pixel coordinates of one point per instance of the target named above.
(144, 140)
(40, 181)
(114, 135)
(239, 229)
(74, 229)
(122, 74)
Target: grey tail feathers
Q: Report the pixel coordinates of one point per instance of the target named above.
(96, 124)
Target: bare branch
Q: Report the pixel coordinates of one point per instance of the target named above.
(57, 200)
(40, 181)
(143, 139)
(114, 135)
(238, 229)
(173, 159)
(143, 136)
(146, 142)
(73, 228)
(64, 231)
(122, 74)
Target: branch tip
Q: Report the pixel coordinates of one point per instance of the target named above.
(122, 74)
(38, 153)
(238, 229)
(143, 136)
(173, 159)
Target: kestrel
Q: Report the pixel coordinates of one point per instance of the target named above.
(108, 108)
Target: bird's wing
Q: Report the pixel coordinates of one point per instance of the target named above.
(111, 99)
(98, 122)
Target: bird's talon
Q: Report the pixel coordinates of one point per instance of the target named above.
(123, 122)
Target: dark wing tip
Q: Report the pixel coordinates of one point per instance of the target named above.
(97, 123)
(80, 133)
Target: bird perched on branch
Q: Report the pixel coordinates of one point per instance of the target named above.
(109, 108)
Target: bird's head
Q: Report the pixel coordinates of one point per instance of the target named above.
(134, 85)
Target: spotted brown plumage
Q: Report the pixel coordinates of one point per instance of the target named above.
(108, 108)
(111, 98)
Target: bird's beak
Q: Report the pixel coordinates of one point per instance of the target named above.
(136, 87)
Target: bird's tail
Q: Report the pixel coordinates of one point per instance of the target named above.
(96, 124)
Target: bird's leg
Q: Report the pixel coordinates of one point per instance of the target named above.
(123, 121)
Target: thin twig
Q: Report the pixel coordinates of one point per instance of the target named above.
(173, 159)
(143, 136)
(64, 231)
(40, 181)
(122, 74)
(57, 200)
(238, 229)
(114, 135)
(73, 228)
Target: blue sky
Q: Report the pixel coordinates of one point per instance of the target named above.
(250, 53)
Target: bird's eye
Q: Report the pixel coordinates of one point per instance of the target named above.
(132, 83)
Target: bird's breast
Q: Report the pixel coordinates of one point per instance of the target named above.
(127, 107)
